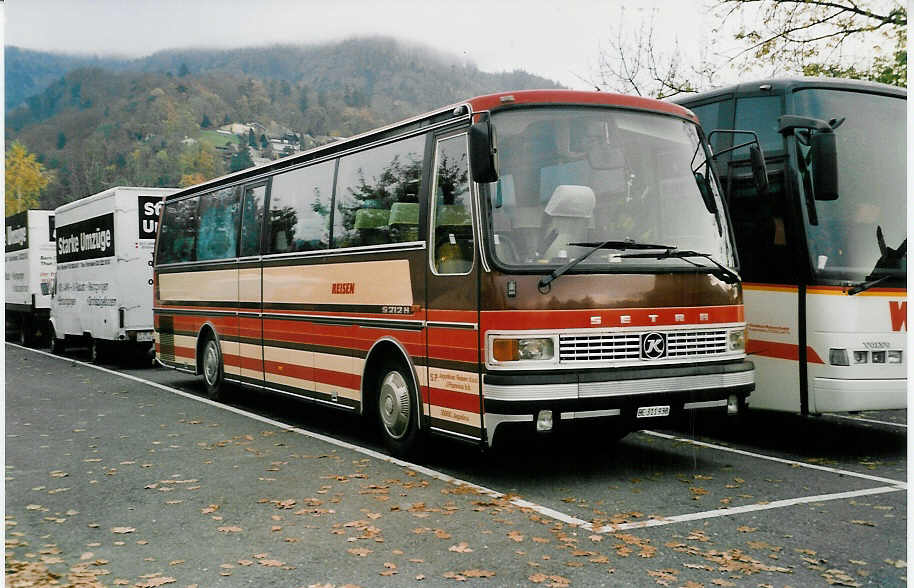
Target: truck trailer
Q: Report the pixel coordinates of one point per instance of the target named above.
(103, 292)
(30, 267)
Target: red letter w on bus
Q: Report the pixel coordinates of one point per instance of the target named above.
(899, 312)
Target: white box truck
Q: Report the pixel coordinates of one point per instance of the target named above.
(29, 273)
(103, 292)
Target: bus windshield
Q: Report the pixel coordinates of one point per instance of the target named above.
(871, 176)
(587, 175)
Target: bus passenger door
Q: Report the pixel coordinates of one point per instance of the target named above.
(453, 402)
(250, 272)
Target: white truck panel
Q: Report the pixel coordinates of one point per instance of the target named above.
(30, 263)
(104, 281)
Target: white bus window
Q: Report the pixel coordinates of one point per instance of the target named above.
(300, 209)
(453, 227)
(369, 184)
(217, 237)
(178, 235)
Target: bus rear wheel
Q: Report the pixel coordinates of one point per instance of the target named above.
(213, 371)
(398, 412)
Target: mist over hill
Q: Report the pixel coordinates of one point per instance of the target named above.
(97, 122)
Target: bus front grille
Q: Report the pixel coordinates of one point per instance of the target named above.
(627, 346)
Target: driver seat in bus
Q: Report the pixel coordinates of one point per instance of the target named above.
(570, 212)
(453, 240)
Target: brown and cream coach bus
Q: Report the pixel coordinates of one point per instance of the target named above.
(578, 269)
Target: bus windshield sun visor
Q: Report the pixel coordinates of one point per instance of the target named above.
(721, 271)
(596, 246)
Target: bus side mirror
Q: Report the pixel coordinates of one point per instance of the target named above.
(704, 187)
(759, 170)
(483, 152)
(824, 154)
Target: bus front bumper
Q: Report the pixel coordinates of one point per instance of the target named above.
(842, 395)
(613, 394)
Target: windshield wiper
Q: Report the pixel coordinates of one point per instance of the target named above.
(721, 271)
(595, 246)
(864, 286)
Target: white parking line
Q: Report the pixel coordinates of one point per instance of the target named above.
(790, 462)
(734, 510)
(894, 485)
(852, 418)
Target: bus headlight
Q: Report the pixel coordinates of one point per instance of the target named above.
(736, 340)
(894, 356)
(839, 356)
(532, 349)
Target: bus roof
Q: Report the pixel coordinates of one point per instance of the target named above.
(789, 84)
(453, 112)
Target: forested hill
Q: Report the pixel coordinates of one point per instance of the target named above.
(156, 120)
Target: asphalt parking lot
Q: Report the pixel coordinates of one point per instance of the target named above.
(127, 475)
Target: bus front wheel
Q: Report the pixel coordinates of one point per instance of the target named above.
(213, 372)
(398, 412)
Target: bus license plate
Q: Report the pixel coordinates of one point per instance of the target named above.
(145, 336)
(653, 411)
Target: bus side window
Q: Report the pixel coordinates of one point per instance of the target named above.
(451, 217)
(178, 236)
(299, 217)
(252, 219)
(369, 183)
(217, 236)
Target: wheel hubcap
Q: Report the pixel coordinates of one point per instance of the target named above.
(394, 404)
(210, 363)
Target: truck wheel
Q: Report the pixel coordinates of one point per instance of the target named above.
(25, 332)
(398, 413)
(96, 351)
(58, 346)
(213, 371)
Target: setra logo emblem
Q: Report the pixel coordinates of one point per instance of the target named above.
(653, 345)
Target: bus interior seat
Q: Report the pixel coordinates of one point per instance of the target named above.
(570, 213)
(404, 222)
(453, 239)
(371, 226)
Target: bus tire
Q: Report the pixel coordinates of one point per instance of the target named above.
(58, 346)
(213, 370)
(398, 418)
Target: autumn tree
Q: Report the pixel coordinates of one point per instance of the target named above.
(822, 36)
(25, 179)
(834, 38)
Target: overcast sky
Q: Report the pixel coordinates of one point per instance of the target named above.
(559, 40)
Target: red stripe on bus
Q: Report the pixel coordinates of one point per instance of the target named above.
(495, 101)
(637, 317)
(449, 399)
(455, 400)
(776, 350)
(187, 352)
